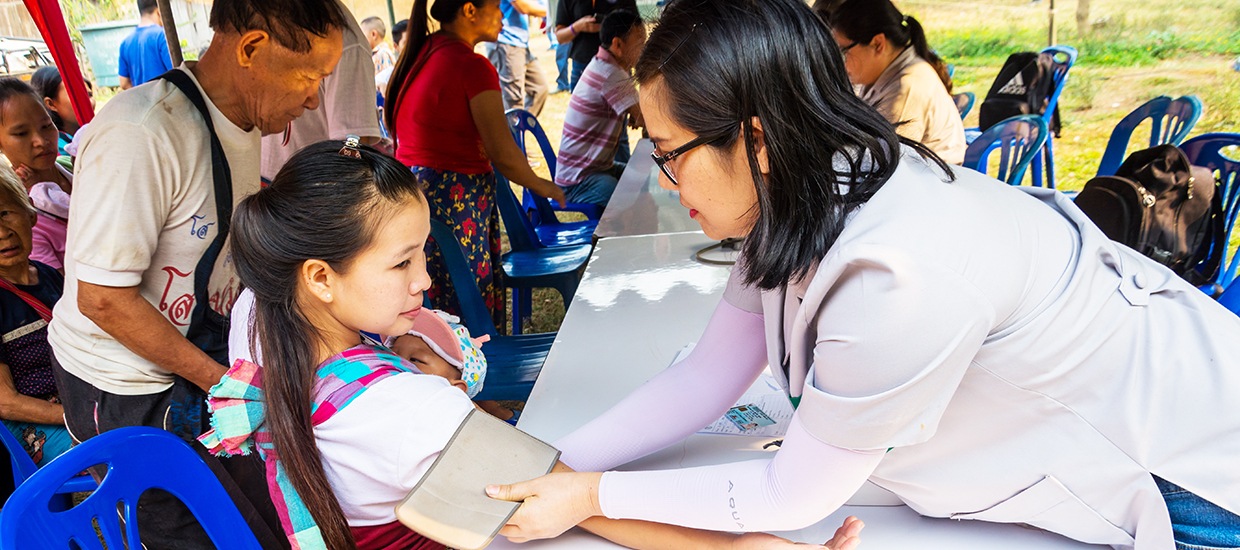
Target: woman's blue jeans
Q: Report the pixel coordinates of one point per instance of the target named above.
(1197, 523)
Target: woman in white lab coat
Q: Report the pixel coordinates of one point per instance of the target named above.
(982, 351)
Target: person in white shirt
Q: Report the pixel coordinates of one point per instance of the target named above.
(140, 333)
(982, 351)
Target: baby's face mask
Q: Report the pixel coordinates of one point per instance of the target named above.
(451, 341)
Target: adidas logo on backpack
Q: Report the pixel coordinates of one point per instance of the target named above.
(1015, 86)
(1023, 87)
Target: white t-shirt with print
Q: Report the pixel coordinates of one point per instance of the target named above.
(143, 214)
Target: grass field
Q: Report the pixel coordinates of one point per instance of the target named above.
(1136, 50)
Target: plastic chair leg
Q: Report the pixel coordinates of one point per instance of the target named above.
(1035, 168)
(527, 305)
(567, 289)
(1050, 162)
(516, 311)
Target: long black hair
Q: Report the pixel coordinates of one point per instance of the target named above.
(326, 206)
(724, 62)
(412, 58)
(862, 20)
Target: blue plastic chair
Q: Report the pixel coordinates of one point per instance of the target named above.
(24, 467)
(1207, 150)
(1170, 122)
(1230, 298)
(1019, 139)
(1063, 59)
(531, 264)
(964, 102)
(137, 458)
(513, 362)
(550, 230)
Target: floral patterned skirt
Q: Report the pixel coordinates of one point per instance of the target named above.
(464, 202)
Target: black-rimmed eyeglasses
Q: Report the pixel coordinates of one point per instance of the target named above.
(845, 49)
(663, 160)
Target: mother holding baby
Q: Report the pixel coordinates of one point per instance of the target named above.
(982, 351)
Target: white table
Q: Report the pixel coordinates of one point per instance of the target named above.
(639, 206)
(643, 298)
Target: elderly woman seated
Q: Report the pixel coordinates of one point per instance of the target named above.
(29, 404)
(888, 60)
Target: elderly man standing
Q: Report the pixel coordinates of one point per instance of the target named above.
(140, 333)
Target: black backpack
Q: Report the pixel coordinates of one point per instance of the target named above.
(1161, 206)
(1023, 87)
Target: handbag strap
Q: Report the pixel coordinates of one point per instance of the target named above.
(222, 179)
(39, 307)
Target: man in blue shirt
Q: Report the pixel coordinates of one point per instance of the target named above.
(144, 54)
(520, 78)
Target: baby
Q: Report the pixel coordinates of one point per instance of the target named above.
(440, 346)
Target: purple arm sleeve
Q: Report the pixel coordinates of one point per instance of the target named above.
(806, 481)
(680, 400)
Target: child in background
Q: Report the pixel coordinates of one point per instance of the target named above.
(50, 86)
(334, 246)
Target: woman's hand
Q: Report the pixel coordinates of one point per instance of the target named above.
(550, 191)
(553, 503)
(25, 174)
(847, 537)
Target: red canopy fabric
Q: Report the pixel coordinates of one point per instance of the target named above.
(51, 23)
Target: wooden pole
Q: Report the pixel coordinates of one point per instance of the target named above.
(391, 14)
(170, 32)
(1082, 17)
(1051, 34)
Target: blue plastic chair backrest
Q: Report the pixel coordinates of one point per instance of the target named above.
(1063, 57)
(1019, 139)
(521, 235)
(474, 313)
(521, 121)
(137, 459)
(23, 466)
(964, 102)
(1170, 122)
(1207, 150)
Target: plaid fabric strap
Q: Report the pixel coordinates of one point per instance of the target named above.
(39, 307)
(238, 410)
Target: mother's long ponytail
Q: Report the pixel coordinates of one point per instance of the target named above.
(325, 206)
(412, 58)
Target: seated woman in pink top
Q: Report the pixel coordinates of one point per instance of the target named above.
(29, 139)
